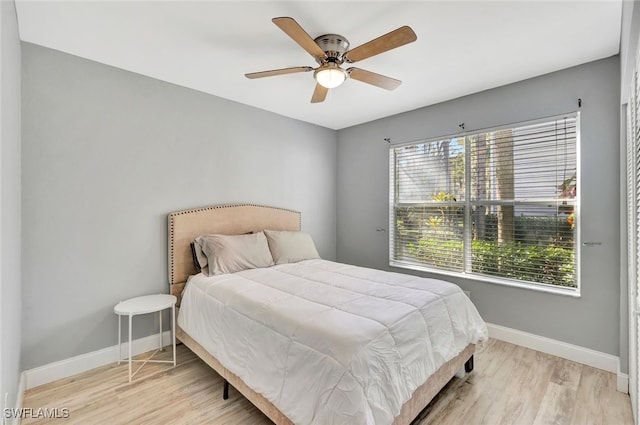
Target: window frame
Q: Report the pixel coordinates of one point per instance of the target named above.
(468, 203)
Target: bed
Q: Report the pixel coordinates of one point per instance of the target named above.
(376, 356)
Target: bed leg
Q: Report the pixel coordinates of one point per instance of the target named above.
(468, 366)
(225, 390)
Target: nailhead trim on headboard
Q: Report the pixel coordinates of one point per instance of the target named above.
(172, 248)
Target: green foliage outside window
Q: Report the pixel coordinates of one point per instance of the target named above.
(533, 263)
(433, 237)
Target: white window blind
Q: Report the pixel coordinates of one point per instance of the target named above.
(498, 204)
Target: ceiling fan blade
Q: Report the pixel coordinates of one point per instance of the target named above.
(299, 35)
(282, 71)
(373, 78)
(319, 94)
(391, 40)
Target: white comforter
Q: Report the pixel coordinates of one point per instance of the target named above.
(330, 343)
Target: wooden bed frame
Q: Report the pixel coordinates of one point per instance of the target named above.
(186, 225)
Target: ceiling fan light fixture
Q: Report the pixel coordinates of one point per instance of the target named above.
(330, 75)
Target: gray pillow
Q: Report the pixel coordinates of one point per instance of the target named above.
(233, 253)
(290, 247)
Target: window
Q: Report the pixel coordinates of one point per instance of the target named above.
(633, 233)
(497, 205)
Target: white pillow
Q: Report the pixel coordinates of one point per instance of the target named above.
(234, 253)
(290, 247)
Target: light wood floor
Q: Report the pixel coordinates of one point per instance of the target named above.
(510, 385)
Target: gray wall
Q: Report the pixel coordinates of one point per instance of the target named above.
(106, 155)
(10, 280)
(363, 198)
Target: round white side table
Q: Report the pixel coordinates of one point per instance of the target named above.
(145, 305)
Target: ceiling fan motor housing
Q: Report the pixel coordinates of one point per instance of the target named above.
(334, 46)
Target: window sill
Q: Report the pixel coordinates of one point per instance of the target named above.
(538, 287)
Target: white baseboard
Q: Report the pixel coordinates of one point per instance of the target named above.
(622, 382)
(587, 356)
(65, 368)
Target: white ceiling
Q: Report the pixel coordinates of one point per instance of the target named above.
(463, 46)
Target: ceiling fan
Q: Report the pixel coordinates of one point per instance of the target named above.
(332, 50)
